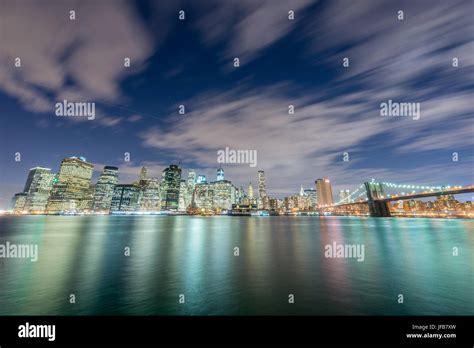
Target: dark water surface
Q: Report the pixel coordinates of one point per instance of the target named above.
(194, 256)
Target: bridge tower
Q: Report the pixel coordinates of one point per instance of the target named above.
(375, 191)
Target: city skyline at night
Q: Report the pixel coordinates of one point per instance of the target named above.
(305, 97)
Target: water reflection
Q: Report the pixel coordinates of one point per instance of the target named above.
(194, 256)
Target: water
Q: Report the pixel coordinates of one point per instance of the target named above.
(194, 256)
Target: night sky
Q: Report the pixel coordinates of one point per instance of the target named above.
(282, 62)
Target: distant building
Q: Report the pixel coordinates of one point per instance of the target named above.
(324, 192)
(170, 187)
(262, 190)
(190, 187)
(71, 191)
(201, 179)
(182, 196)
(220, 174)
(312, 197)
(104, 189)
(125, 198)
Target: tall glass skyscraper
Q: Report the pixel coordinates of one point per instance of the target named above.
(170, 184)
(125, 198)
(324, 192)
(70, 192)
(37, 189)
(104, 189)
(262, 190)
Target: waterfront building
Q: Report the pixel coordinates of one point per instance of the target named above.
(262, 190)
(312, 196)
(38, 188)
(170, 184)
(202, 198)
(190, 187)
(324, 192)
(104, 189)
(126, 197)
(223, 195)
(150, 197)
(18, 202)
(182, 196)
(70, 193)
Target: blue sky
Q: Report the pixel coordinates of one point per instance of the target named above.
(282, 62)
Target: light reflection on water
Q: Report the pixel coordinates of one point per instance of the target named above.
(84, 255)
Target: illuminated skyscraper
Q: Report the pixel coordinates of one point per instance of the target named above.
(125, 198)
(150, 198)
(170, 187)
(70, 192)
(201, 179)
(223, 195)
(190, 187)
(250, 191)
(182, 196)
(18, 202)
(104, 189)
(262, 190)
(220, 174)
(38, 188)
(324, 192)
(313, 197)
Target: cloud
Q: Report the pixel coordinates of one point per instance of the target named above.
(386, 52)
(247, 27)
(78, 60)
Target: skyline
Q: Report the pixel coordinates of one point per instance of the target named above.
(283, 62)
(72, 191)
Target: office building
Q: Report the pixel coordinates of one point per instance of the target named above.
(170, 184)
(324, 192)
(125, 198)
(71, 191)
(104, 189)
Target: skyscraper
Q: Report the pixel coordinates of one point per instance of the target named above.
(182, 196)
(150, 198)
(38, 188)
(190, 187)
(313, 197)
(170, 184)
(125, 198)
(324, 192)
(250, 191)
(220, 174)
(104, 189)
(70, 192)
(262, 190)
